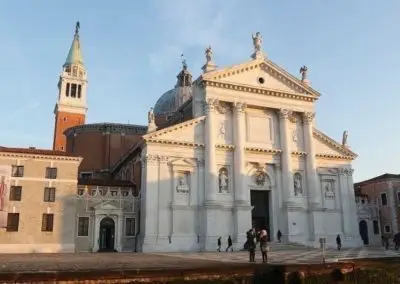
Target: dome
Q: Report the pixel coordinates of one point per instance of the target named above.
(173, 99)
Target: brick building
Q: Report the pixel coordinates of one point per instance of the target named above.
(37, 200)
(384, 191)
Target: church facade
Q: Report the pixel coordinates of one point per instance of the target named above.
(242, 151)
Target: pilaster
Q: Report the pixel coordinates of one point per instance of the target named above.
(241, 197)
(210, 159)
(311, 169)
(393, 208)
(286, 159)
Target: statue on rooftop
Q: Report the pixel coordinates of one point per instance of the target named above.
(257, 41)
(303, 72)
(77, 27)
(150, 116)
(344, 138)
(209, 54)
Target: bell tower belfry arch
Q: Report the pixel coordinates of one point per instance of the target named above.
(71, 107)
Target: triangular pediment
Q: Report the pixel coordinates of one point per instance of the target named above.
(326, 146)
(261, 73)
(190, 131)
(183, 162)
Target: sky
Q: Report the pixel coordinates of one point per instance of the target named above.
(132, 53)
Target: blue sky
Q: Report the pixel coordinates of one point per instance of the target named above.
(132, 52)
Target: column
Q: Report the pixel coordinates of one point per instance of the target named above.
(312, 179)
(286, 155)
(210, 159)
(352, 207)
(241, 196)
(97, 219)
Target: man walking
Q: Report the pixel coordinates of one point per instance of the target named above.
(219, 245)
(229, 244)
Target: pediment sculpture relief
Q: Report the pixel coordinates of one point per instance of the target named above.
(260, 178)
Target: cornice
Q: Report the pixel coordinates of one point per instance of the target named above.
(263, 150)
(225, 146)
(258, 90)
(335, 157)
(174, 142)
(40, 157)
(173, 128)
(107, 127)
(333, 143)
(299, 153)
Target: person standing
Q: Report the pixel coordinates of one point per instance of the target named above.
(229, 244)
(264, 245)
(251, 243)
(338, 242)
(219, 244)
(279, 235)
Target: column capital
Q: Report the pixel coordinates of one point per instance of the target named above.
(209, 105)
(308, 117)
(285, 113)
(240, 107)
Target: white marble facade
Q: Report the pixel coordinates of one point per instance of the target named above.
(253, 130)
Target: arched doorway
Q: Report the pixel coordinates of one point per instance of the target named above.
(363, 228)
(107, 232)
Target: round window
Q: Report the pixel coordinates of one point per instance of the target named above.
(261, 80)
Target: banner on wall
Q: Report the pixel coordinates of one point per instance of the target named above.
(5, 175)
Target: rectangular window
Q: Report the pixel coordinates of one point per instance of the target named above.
(17, 171)
(384, 200)
(86, 175)
(83, 226)
(47, 222)
(79, 91)
(388, 229)
(130, 227)
(15, 193)
(12, 222)
(73, 90)
(398, 197)
(51, 173)
(49, 194)
(67, 90)
(376, 227)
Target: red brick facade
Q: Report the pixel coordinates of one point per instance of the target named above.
(63, 121)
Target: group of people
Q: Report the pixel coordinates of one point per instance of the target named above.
(251, 243)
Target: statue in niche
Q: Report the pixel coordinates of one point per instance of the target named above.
(222, 129)
(329, 193)
(223, 181)
(298, 188)
(294, 136)
(344, 138)
(182, 186)
(260, 177)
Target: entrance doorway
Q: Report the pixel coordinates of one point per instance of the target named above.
(260, 213)
(363, 227)
(107, 232)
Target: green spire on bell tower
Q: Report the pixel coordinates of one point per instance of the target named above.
(75, 53)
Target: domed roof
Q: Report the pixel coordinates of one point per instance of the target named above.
(173, 99)
(166, 103)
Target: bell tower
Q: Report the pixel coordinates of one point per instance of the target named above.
(71, 107)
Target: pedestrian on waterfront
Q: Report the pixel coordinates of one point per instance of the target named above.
(338, 242)
(279, 235)
(229, 244)
(396, 241)
(219, 244)
(251, 244)
(264, 245)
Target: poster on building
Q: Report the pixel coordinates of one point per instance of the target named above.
(5, 175)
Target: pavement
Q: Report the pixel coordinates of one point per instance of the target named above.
(17, 263)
